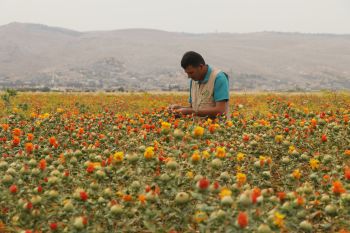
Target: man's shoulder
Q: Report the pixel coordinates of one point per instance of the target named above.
(219, 72)
(221, 76)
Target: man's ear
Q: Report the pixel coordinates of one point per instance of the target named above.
(201, 66)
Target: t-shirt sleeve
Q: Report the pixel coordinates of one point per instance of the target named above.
(221, 88)
(190, 98)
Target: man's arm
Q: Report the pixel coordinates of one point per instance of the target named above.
(177, 106)
(219, 109)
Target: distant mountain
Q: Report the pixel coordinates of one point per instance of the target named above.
(39, 56)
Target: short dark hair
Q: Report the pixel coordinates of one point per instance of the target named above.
(192, 58)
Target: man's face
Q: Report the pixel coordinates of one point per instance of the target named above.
(195, 73)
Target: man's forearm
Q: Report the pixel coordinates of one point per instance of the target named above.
(210, 111)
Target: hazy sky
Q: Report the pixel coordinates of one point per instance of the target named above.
(195, 16)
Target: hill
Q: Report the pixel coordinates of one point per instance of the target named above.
(39, 56)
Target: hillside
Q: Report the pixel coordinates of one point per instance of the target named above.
(40, 56)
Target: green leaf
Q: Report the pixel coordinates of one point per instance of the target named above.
(150, 226)
(196, 195)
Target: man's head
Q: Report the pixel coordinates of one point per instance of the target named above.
(194, 65)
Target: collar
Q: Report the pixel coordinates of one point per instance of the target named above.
(207, 75)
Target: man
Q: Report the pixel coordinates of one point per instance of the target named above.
(209, 88)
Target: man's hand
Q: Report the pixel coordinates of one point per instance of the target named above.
(178, 110)
(184, 111)
(174, 107)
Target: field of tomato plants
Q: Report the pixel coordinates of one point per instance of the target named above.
(99, 162)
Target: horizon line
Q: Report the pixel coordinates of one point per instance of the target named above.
(184, 32)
